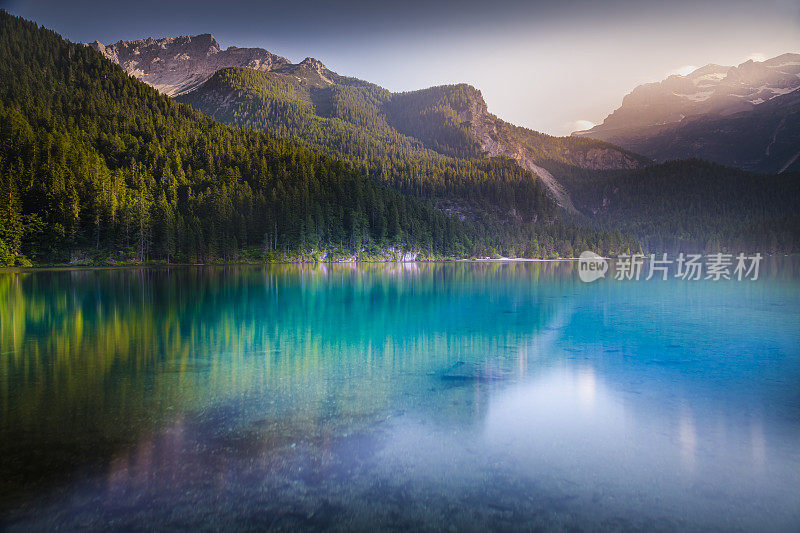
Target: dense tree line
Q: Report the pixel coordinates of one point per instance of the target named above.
(95, 163)
(691, 205)
(357, 123)
(418, 142)
(434, 116)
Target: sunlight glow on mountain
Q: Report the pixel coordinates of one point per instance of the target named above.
(685, 70)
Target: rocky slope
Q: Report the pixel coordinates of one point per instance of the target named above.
(765, 139)
(176, 65)
(451, 120)
(711, 113)
(499, 138)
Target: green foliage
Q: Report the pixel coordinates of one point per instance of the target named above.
(6, 257)
(413, 142)
(358, 124)
(433, 116)
(97, 166)
(691, 205)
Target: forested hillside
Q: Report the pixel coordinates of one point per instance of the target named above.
(415, 141)
(418, 141)
(350, 122)
(95, 165)
(692, 205)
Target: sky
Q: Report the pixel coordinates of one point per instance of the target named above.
(553, 66)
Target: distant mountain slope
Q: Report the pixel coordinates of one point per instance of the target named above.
(765, 139)
(692, 205)
(348, 121)
(451, 120)
(368, 124)
(459, 113)
(742, 116)
(441, 144)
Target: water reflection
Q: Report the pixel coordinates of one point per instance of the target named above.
(465, 395)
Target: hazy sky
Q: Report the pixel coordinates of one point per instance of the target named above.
(544, 65)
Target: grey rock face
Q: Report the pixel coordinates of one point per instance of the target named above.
(177, 65)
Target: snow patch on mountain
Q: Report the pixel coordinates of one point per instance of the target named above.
(712, 89)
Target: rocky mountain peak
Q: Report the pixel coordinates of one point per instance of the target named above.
(317, 66)
(712, 89)
(205, 40)
(707, 74)
(176, 65)
(309, 70)
(314, 63)
(742, 115)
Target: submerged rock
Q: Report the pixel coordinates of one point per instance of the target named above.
(469, 371)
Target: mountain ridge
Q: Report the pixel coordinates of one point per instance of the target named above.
(98, 166)
(176, 65)
(663, 120)
(450, 120)
(491, 137)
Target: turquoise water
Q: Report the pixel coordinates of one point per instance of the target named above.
(427, 396)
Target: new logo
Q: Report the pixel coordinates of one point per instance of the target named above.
(591, 266)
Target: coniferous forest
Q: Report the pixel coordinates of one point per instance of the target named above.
(413, 141)
(691, 205)
(99, 167)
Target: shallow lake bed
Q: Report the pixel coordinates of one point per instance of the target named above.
(446, 396)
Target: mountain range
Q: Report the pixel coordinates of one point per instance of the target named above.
(745, 116)
(98, 167)
(177, 150)
(451, 120)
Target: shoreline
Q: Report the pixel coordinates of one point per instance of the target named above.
(68, 266)
(261, 263)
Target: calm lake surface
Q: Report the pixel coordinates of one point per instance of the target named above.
(429, 396)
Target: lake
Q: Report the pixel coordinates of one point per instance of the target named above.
(443, 396)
